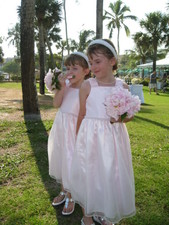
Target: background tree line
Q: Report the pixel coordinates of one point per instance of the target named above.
(42, 18)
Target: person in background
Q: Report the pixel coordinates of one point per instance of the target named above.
(153, 83)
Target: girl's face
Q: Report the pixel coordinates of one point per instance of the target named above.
(76, 73)
(101, 66)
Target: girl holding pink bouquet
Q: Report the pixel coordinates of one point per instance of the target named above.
(102, 180)
(61, 139)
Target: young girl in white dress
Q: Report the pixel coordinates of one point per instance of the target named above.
(102, 180)
(61, 141)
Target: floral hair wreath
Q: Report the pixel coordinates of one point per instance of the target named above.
(106, 44)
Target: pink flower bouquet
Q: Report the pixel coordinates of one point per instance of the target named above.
(121, 103)
(51, 80)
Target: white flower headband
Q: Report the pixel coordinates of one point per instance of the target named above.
(82, 55)
(106, 44)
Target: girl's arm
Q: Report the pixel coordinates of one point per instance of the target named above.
(126, 86)
(58, 98)
(83, 94)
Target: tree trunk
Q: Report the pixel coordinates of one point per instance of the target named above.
(99, 19)
(52, 63)
(30, 99)
(42, 58)
(118, 45)
(67, 40)
(154, 57)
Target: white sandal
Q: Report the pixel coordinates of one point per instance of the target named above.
(82, 222)
(63, 200)
(66, 206)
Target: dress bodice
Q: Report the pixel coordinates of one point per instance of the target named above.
(95, 107)
(70, 102)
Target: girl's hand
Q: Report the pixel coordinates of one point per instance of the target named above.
(62, 78)
(112, 120)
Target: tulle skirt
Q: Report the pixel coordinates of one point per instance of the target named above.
(61, 144)
(102, 180)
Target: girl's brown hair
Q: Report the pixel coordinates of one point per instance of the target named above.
(98, 48)
(74, 59)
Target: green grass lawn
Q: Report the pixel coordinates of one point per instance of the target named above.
(27, 190)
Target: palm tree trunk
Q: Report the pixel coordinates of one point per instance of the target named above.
(99, 19)
(154, 57)
(118, 45)
(51, 53)
(67, 40)
(42, 58)
(30, 99)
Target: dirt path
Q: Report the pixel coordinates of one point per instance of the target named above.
(11, 105)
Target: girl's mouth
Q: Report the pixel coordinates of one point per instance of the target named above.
(71, 77)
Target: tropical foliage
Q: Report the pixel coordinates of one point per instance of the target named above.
(117, 18)
(1, 51)
(143, 46)
(157, 28)
(85, 38)
(14, 37)
(48, 14)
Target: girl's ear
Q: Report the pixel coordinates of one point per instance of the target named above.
(113, 61)
(86, 71)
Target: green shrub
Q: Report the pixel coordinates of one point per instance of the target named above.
(144, 82)
(15, 77)
(136, 80)
(1, 77)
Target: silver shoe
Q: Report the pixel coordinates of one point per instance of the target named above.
(82, 222)
(66, 206)
(101, 220)
(63, 200)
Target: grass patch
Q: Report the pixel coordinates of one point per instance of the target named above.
(27, 190)
(9, 84)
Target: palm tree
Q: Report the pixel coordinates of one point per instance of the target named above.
(157, 27)
(143, 46)
(14, 37)
(99, 19)
(47, 12)
(62, 46)
(67, 39)
(30, 100)
(1, 51)
(85, 38)
(117, 18)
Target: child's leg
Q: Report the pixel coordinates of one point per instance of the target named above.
(69, 205)
(60, 198)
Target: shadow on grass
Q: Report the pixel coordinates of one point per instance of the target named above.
(153, 122)
(38, 137)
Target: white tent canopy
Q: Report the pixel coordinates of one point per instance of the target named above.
(159, 63)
